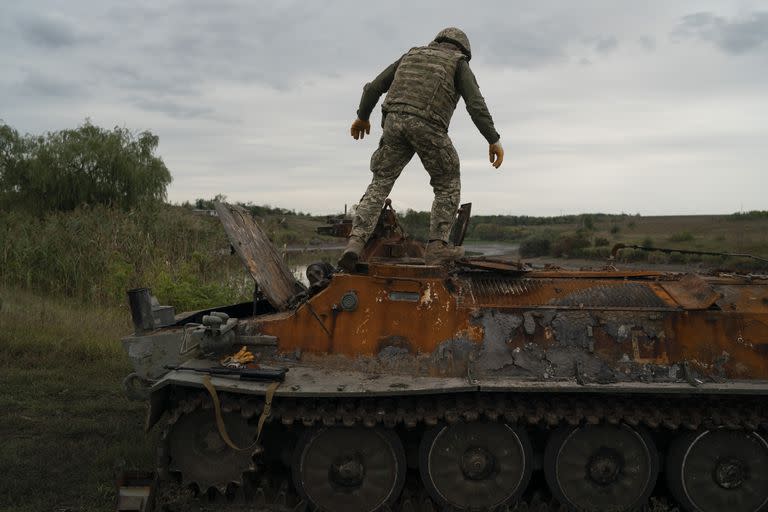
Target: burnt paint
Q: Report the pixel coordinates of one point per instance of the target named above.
(518, 330)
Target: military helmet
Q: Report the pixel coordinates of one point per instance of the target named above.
(457, 37)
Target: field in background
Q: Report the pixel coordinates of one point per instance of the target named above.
(593, 236)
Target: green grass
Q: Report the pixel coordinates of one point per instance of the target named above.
(66, 427)
(95, 254)
(712, 233)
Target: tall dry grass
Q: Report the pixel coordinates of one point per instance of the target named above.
(93, 255)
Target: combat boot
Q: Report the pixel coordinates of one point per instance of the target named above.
(441, 253)
(351, 253)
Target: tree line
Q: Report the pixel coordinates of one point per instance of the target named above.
(88, 165)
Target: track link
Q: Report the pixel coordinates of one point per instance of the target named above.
(268, 496)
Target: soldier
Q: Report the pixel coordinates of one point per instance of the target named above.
(424, 87)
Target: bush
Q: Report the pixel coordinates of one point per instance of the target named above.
(415, 224)
(185, 290)
(565, 246)
(648, 242)
(676, 257)
(496, 232)
(683, 236)
(591, 253)
(601, 242)
(615, 229)
(536, 245)
(750, 215)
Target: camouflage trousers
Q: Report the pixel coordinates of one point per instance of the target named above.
(403, 136)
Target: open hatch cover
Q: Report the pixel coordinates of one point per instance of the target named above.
(258, 254)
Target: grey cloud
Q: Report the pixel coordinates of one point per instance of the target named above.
(542, 42)
(282, 41)
(180, 111)
(36, 83)
(271, 44)
(51, 33)
(647, 42)
(138, 78)
(600, 44)
(735, 36)
(277, 43)
(606, 44)
(536, 44)
(173, 109)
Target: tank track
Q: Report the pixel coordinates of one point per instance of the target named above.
(551, 411)
(265, 495)
(264, 491)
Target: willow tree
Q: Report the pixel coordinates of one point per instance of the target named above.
(84, 166)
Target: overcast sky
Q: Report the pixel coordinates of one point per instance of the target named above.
(615, 106)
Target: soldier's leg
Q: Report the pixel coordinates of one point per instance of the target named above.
(387, 162)
(441, 161)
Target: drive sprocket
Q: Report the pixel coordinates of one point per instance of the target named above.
(197, 452)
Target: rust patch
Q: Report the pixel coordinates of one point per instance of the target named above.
(408, 320)
(704, 336)
(382, 313)
(691, 292)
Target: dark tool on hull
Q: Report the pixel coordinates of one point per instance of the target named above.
(259, 374)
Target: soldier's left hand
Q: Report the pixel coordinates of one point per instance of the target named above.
(495, 150)
(360, 128)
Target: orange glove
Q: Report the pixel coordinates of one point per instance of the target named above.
(242, 357)
(360, 128)
(495, 150)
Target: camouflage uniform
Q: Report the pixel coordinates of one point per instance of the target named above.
(405, 135)
(423, 88)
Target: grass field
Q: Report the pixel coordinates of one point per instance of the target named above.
(66, 427)
(701, 232)
(594, 239)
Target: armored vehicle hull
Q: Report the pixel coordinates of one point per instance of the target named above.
(405, 385)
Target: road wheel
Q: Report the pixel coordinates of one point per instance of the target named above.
(349, 468)
(716, 470)
(601, 467)
(475, 465)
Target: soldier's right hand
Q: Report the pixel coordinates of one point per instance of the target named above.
(360, 128)
(495, 150)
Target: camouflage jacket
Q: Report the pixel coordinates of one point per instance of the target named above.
(466, 86)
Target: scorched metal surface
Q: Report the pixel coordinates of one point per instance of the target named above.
(475, 378)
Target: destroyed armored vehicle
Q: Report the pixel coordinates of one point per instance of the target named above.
(467, 386)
